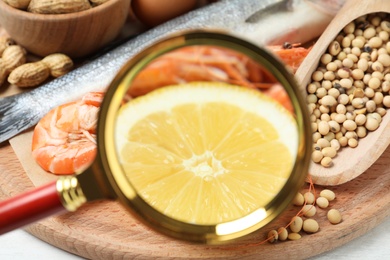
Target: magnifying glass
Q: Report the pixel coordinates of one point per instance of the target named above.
(203, 136)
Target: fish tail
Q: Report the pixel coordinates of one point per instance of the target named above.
(327, 6)
(15, 116)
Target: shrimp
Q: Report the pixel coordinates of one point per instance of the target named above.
(291, 54)
(64, 140)
(201, 63)
(278, 93)
(210, 63)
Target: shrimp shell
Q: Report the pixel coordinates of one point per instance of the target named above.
(210, 63)
(200, 63)
(64, 141)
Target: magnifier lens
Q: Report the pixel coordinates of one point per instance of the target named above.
(207, 138)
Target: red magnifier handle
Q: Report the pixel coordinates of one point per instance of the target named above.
(29, 207)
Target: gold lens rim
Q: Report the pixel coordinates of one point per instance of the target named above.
(126, 193)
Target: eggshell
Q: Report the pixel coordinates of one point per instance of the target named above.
(152, 12)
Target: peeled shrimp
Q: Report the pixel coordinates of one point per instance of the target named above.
(64, 141)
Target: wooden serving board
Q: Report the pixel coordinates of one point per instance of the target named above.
(105, 230)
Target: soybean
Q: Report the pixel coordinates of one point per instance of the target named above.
(334, 216)
(298, 199)
(296, 224)
(323, 128)
(326, 161)
(310, 226)
(322, 202)
(350, 84)
(294, 236)
(272, 236)
(309, 197)
(371, 124)
(317, 156)
(328, 194)
(283, 233)
(329, 152)
(309, 210)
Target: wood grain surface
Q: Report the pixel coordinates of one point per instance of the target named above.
(105, 230)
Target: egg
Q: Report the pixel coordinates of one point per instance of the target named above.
(152, 12)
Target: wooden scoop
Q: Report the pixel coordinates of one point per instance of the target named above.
(349, 162)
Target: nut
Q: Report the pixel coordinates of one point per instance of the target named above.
(13, 56)
(58, 6)
(58, 63)
(29, 74)
(13, 65)
(4, 43)
(3, 73)
(19, 4)
(97, 2)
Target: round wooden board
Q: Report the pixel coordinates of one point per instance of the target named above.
(105, 230)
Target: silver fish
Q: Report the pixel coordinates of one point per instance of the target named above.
(260, 21)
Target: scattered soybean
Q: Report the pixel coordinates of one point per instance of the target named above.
(334, 216)
(310, 226)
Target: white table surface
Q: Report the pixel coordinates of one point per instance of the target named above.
(375, 244)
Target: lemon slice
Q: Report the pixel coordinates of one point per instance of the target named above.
(206, 152)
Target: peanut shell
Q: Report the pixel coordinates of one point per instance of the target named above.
(4, 43)
(58, 6)
(19, 4)
(29, 74)
(58, 63)
(13, 56)
(97, 2)
(3, 73)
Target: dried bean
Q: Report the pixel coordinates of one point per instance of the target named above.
(272, 236)
(298, 199)
(309, 197)
(294, 236)
(310, 226)
(322, 202)
(326, 162)
(328, 194)
(296, 224)
(283, 234)
(350, 89)
(334, 216)
(309, 210)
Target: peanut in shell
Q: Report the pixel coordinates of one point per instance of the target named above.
(29, 74)
(58, 6)
(4, 43)
(58, 63)
(19, 4)
(13, 56)
(3, 73)
(97, 2)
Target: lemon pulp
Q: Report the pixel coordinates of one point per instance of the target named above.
(206, 153)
